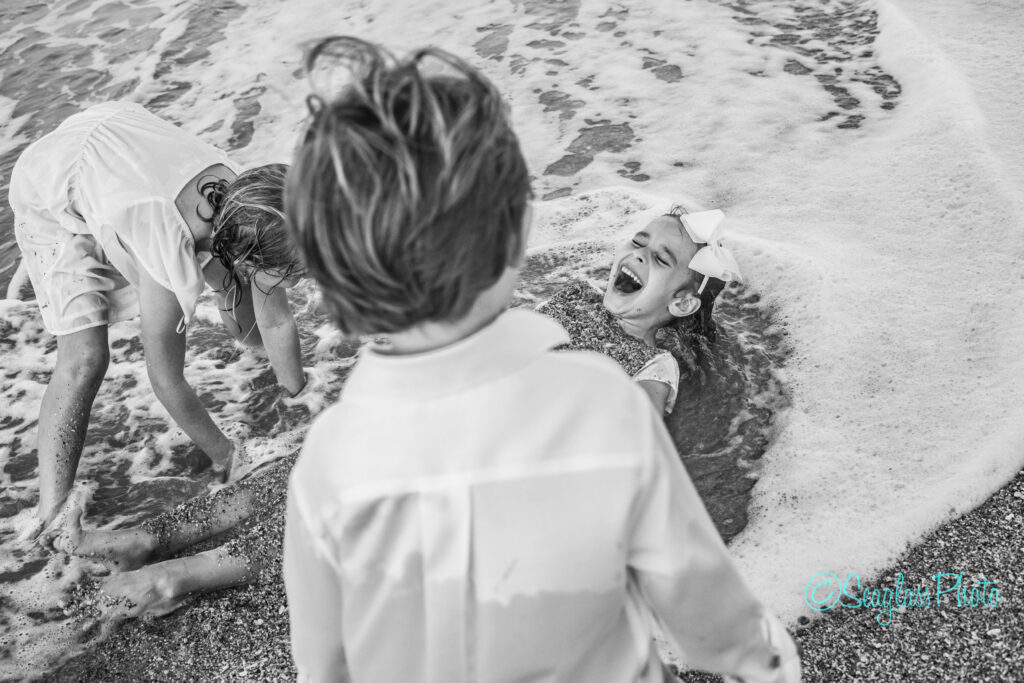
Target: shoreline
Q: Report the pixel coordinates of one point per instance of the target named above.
(951, 642)
(926, 644)
(242, 633)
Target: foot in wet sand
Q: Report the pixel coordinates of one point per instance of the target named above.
(47, 524)
(121, 550)
(53, 525)
(30, 529)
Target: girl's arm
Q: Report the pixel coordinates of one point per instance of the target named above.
(234, 302)
(660, 380)
(165, 363)
(278, 330)
(656, 391)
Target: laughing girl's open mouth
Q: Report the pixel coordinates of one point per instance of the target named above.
(627, 281)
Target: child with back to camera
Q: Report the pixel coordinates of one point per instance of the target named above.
(478, 506)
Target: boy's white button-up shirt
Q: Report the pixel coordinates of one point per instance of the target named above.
(495, 511)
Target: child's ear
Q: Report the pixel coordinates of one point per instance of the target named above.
(685, 305)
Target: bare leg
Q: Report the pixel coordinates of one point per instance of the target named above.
(161, 588)
(18, 281)
(82, 359)
(186, 525)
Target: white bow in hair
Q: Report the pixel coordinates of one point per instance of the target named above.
(712, 260)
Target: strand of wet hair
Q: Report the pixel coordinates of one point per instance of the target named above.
(214, 191)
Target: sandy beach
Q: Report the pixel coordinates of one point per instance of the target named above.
(242, 634)
(236, 634)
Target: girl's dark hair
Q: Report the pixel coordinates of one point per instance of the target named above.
(691, 339)
(249, 223)
(702, 322)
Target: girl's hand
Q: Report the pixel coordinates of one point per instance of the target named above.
(222, 470)
(303, 390)
(226, 470)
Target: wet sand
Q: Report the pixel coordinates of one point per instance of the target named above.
(234, 634)
(242, 634)
(949, 643)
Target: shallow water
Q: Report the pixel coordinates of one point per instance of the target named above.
(857, 149)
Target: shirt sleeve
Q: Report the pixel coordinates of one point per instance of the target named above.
(314, 599)
(662, 368)
(159, 240)
(688, 579)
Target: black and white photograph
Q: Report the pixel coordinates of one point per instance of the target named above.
(508, 341)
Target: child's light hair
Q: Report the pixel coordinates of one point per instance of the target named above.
(408, 190)
(249, 223)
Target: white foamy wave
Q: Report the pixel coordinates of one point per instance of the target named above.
(892, 263)
(10, 129)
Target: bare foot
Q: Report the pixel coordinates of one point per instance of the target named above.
(147, 592)
(121, 549)
(72, 506)
(29, 529)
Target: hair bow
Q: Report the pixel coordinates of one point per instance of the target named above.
(712, 260)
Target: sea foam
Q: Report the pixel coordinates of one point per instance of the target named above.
(895, 264)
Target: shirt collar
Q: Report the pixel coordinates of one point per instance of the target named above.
(515, 338)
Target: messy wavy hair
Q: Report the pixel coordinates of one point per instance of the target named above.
(408, 189)
(249, 223)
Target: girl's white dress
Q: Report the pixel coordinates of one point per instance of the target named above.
(94, 205)
(665, 369)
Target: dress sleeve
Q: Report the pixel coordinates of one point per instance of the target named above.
(662, 368)
(159, 240)
(686, 576)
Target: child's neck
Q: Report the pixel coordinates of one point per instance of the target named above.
(433, 335)
(641, 330)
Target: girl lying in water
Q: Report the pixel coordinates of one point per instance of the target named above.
(662, 288)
